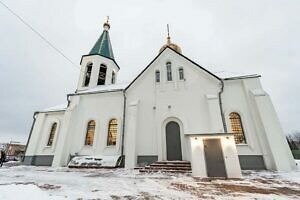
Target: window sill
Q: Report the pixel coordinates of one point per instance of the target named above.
(48, 148)
(88, 146)
(242, 144)
(110, 146)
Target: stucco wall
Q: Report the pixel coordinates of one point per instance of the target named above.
(236, 99)
(193, 103)
(183, 101)
(41, 131)
(101, 107)
(97, 60)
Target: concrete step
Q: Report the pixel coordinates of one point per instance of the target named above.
(173, 162)
(168, 167)
(164, 171)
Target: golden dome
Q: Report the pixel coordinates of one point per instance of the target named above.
(173, 46)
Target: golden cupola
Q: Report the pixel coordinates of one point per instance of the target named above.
(171, 45)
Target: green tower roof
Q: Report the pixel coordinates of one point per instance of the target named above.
(103, 46)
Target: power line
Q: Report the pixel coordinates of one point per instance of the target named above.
(40, 35)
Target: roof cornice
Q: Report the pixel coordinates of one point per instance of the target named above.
(99, 55)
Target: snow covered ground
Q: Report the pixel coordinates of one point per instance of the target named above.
(28, 182)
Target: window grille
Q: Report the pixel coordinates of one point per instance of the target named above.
(52, 133)
(90, 132)
(157, 76)
(181, 74)
(169, 71)
(112, 132)
(237, 128)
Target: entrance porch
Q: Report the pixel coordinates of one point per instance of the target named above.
(214, 155)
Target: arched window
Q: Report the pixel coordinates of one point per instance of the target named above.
(88, 74)
(102, 75)
(90, 132)
(112, 132)
(52, 134)
(157, 76)
(181, 74)
(237, 128)
(169, 71)
(113, 77)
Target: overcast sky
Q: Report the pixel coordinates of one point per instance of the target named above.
(254, 36)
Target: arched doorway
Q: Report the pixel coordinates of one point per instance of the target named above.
(173, 141)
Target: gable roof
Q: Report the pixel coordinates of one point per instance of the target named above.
(210, 73)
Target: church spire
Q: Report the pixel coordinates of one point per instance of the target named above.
(103, 46)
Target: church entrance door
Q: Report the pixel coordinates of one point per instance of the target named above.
(173, 141)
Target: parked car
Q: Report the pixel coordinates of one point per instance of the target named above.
(11, 158)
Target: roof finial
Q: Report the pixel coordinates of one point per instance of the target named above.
(168, 30)
(106, 24)
(168, 38)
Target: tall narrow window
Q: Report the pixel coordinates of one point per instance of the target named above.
(237, 128)
(112, 132)
(102, 75)
(52, 133)
(169, 71)
(88, 74)
(157, 76)
(90, 132)
(181, 74)
(113, 77)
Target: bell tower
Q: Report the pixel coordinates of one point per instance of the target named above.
(99, 67)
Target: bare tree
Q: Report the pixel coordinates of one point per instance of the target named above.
(293, 140)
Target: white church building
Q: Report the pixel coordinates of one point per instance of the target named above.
(174, 109)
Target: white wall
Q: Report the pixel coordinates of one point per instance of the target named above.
(279, 153)
(192, 103)
(41, 131)
(101, 107)
(97, 60)
(231, 161)
(236, 99)
(184, 101)
(260, 123)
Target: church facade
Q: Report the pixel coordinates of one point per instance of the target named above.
(173, 110)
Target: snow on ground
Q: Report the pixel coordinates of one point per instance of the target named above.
(29, 182)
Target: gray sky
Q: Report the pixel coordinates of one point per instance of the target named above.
(254, 36)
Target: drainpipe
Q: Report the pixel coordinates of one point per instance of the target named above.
(31, 129)
(123, 128)
(221, 106)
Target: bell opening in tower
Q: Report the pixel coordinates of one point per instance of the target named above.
(102, 75)
(88, 75)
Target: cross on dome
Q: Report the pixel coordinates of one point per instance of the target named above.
(103, 45)
(173, 46)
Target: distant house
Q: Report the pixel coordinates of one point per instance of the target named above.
(17, 150)
(174, 110)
